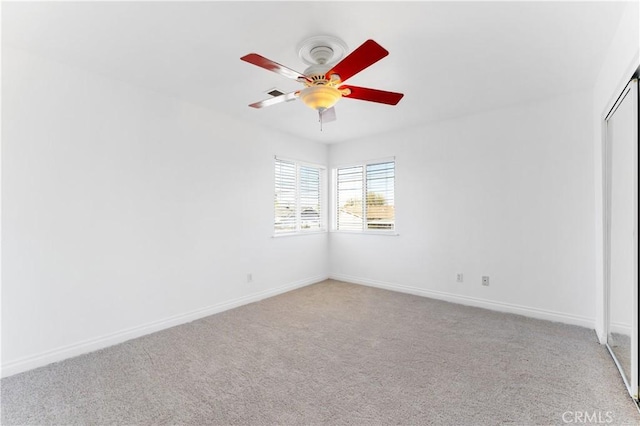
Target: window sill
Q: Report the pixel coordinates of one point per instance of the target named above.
(298, 234)
(384, 233)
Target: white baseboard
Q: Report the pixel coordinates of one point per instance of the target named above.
(620, 328)
(473, 301)
(38, 360)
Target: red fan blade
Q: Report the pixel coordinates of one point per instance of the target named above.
(364, 56)
(276, 100)
(268, 64)
(372, 95)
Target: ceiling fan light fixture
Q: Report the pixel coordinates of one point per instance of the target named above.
(320, 98)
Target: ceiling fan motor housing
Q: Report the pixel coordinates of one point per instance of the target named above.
(317, 75)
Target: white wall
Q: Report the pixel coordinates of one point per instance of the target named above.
(506, 193)
(623, 58)
(125, 211)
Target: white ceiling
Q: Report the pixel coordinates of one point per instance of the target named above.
(448, 58)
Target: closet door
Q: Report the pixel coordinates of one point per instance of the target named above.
(621, 171)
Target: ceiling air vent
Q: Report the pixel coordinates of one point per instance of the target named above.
(275, 92)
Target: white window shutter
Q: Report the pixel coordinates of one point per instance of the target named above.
(299, 197)
(365, 197)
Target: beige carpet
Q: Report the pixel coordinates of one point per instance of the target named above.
(334, 353)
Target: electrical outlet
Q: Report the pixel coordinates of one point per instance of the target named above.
(249, 277)
(485, 280)
(459, 277)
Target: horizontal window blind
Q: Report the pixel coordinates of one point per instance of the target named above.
(380, 206)
(298, 204)
(365, 197)
(350, 186)
(310, 198)
(285, 197)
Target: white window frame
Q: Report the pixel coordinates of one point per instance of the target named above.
(298, 205)
(334, 197)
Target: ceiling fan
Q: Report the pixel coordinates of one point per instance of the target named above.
(323, 81)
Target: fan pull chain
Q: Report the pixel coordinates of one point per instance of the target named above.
(320, 119)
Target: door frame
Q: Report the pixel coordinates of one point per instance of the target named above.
(632, 382)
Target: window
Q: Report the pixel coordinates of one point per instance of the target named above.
(299, 193)
(372, 182)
